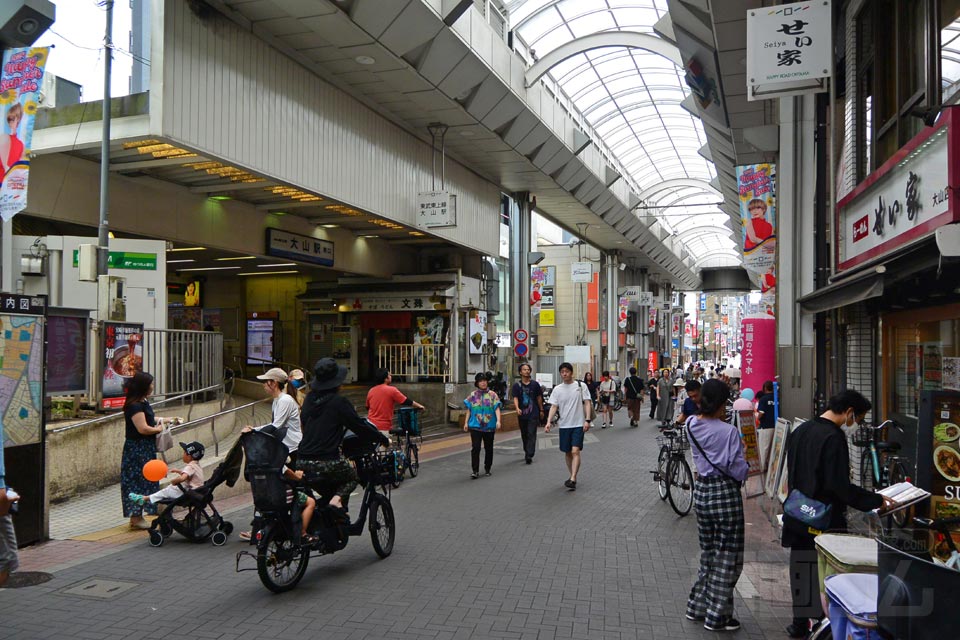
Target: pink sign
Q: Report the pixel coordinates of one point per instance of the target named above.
(759, 357)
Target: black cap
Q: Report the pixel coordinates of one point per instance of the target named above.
(480, 376)
(194, 449)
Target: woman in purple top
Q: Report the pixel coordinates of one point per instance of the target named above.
(721, 470)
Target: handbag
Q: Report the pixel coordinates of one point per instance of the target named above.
(165, 439)
(811, 515)
(589, 414)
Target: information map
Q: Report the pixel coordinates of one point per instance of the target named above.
(21, 379)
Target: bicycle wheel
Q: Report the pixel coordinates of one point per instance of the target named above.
(383, 528)
(663, 461)
(897, 472)
(401, 469)
(280, 563)
(866, 470)
(413, 459)
(618, 403)
(681, 486)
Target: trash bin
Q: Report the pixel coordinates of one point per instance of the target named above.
(853, 606)
(839, 553)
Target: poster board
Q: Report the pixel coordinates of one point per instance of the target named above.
(751, 448)
(778, 456)
(477, 332)
(68, 345)
(576, 354)
(122, 359)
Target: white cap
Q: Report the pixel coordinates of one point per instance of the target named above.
(276, 374)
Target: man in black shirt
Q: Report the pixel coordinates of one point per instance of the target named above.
(325, 417)
(528, 401)
(652, 386)
(818, 465)
(766, 410)
(633, 391)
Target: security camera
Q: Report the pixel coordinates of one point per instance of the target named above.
(573, 242)
(623, 266)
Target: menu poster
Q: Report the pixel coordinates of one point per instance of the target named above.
(751, 448)
(122, 359)
(951, 373)
(945, 478)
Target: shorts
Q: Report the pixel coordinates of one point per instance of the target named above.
(8, 545)
(571, 437)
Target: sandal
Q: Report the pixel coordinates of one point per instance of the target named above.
(244, 535)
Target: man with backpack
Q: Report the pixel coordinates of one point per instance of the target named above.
(528, 401)
(633, 390)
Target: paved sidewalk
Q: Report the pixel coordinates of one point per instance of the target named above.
(510, 556)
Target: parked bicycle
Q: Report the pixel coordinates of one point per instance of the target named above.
(408, 442)
(880, 467)
(673, 477)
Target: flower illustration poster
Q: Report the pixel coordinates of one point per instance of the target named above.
(21, 78)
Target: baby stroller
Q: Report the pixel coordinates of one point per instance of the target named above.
(193, 515)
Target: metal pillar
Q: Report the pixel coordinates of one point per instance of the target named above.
(103, 234)
(643, 343)
(613, 337)
(520, 240)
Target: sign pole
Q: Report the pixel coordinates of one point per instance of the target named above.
(103, 234)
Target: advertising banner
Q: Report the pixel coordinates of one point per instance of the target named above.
(652, 321)
(122, 358)
(751, 448)
(548, 317)
(477, 332)
(758, 361)
(20, 80)
(67, 339)
(756, 184)
(593, 304)
(541, 277)
(624, 302)
(651, 361)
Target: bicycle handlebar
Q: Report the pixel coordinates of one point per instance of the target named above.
(937, 525)
(883, 424)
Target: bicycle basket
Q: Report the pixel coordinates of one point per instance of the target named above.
(409, 420)
(379, 468)
(862, 436)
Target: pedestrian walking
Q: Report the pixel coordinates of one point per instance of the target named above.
(767, 420)
(8, 537)
(721, 470)
(664, 404)
(607, 392)
(483, 422)
(633, 390)
(592, 386)
(569, 408)
(528, 402)
(653, 377)
(818, 466)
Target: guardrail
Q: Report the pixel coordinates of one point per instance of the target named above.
(212, 419)
(180, 360)
(115, 416)
(414, 362)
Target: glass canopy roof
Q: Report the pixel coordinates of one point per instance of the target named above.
(632, 99)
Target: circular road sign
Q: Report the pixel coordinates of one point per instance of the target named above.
(521, 349)
(520, 335)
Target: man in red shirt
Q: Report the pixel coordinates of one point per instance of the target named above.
(382, 399)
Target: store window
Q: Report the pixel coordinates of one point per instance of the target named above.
(925, 356)
(894, 73)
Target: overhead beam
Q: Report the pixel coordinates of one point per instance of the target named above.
(458, 10)
(290, 204)
(158, 163)
(628, 39)
(678, 183)
(233, 186)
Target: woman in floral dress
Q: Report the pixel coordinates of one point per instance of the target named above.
(483, 422)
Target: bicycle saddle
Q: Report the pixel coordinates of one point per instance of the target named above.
(396, 431)
(670, 433)
(891, 447)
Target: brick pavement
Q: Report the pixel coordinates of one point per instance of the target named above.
(510, 556)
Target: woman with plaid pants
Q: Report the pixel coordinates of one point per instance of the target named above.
(721, 470)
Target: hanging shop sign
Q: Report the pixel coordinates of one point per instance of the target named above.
(593, 304)
(436, 209)
(125, 260)
(622, 306)
(21, 77)
(581, 272)
(703, 302)
(645, 299)
(903, 201)
(789, 49)
(651, 361)
(541, 278)
(412, 301)
(294, 246)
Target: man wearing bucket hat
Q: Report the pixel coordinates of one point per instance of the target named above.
(326, 417)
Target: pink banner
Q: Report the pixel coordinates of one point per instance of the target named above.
(759, 357)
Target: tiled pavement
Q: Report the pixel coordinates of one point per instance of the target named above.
(510, 556)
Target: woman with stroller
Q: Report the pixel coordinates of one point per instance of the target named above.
(139, 447)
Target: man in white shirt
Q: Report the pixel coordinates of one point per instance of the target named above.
(569, 406)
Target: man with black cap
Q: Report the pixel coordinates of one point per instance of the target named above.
(325, 417)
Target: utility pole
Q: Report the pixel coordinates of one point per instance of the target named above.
(103, 235)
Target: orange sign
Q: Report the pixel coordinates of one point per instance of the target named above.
(652, 361)
(593, 303)
(751, 448)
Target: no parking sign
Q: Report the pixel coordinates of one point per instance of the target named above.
(521, 349)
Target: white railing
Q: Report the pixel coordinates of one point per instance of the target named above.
(415, 362)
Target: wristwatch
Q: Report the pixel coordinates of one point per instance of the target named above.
(588, 422)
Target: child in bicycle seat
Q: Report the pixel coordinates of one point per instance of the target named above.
(306, 502)
(190, 477)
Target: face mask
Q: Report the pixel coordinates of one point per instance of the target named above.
(297, 384)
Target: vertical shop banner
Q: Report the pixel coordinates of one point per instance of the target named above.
(593, 303)
(20, 80)
(122, 358)
(652, 321)
(651, 361)
(751, 448)
(758, 360)
(622, 306)
(541, 278)
(756, 184)
(477, 331)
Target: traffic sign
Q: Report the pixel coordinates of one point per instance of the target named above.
(521, 349)
(520, 335)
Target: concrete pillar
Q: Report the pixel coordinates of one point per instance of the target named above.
(6, 256)
(613, 337)
(643, 340)
(520, 240)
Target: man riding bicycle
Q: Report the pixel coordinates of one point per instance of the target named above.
(326, 416)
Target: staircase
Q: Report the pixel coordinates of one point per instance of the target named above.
(433, 424)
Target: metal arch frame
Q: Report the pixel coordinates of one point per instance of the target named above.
(733, 253)
(603, 59)
(708, 229)
(666, 185)
(628, 39)
(573, 18)
(624, 93)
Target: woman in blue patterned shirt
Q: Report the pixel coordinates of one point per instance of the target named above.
(483, 422)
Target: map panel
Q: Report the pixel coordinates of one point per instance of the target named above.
(21, 379)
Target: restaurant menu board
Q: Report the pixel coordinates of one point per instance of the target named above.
(751, 448)
(122, 359)
(941, 424)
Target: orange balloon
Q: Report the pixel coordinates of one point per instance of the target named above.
(155, 470)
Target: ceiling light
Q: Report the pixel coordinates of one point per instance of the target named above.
(279, 213)
(179, 261)
(279, 264)
(417, 233)
(365, 60)
(370, 236)
(187, 249)
(265, 273)
(209, 269)
(329, 226)
(237, 258)
(219, 198)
